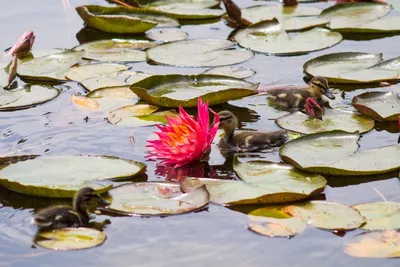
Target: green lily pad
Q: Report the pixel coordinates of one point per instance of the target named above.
(123, 20)
(273, 221)
(198, 53)
(110, 98)
(381, 106)
(268, 37)
(155, 198)
(118, 50)
(328, 215)
(380, 216)
(380, 244)
(135, 77)
(291, 18)
(263, 183)
(3, 77)
(49, 68)
(394, 3)
(183, 90)
(231, 71)
(352, 67)
(70, 238)
(84, 72)
(26, 97)
(332, 119)
(189, 12)
(195, 4)
(138, 115)
(335, 153)
(94, 83)
(52, 176)
(382, 25)
(348, 15)
(167, 35)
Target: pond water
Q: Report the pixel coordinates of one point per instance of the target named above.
(216, 237)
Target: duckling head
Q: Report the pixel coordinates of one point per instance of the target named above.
(86, 199)
(228, 122)
(319, 86)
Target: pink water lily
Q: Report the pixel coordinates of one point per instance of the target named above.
(184, 139)
(312, 108)
(23, 45)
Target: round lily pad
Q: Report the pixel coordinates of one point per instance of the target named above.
(84, 72)
(380, 244)
(347, 15)
(49, 68)
(332, 119)
(351, 67)
(198, 53)
(62, 176)
(181, 12)
(26, 97)
(123, 20)
(231, 71)
(263, 183)
(156, 198)
(184, 90)
(70, 238)
(139, 115)
(119, 50)
(328, 215)
(167, 35)
(195, 4)
(380, 215)
(268, 37)
(273, 221)
(291, 18)
(335, 153)
(381, 106)
(96, 82)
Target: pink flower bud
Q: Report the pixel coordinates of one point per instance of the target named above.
(23, 45)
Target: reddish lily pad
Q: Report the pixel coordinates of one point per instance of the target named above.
(381, 106)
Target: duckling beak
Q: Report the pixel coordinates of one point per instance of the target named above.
(328, 94)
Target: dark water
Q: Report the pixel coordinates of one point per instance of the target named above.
(217, 237)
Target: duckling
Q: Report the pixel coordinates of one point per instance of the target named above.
(247, 141)
(85, 200)
(296, 98)
(312, 108)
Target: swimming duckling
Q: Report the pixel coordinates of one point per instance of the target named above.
(296, 98)
(247, 141)
(62, 216)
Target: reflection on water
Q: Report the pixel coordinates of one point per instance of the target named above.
(216, 237)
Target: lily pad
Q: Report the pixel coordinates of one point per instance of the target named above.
(52, 176)
(49, 68)
(70, 238)
(94, 83)
(263, 183)
(381, 106)
(110, 98)
(155, 198)
(352, 67)
(335, 153)
(3, 78)
(380, 244)
(382, 25)
(189, 13)
(332, 119)
(123, 20)
(26, 97)
(291, 18)
(167, 35)
(198, 53)
(328, 215)
(119, 50)
(380, 215)
(195, 4)
(348, 15)
(273, 221)
(84, 72)
(183, 90)
(268, 37)
(231, 71)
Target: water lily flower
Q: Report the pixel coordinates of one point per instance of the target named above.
(184, 139)
(23, 45)
(313, 109)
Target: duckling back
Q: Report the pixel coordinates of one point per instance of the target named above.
(289, 98)
(57, 217)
